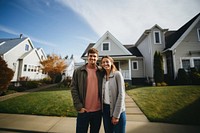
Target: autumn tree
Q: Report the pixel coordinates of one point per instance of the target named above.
(6, 75)
(53, 66)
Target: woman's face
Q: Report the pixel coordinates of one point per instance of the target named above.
(106, 64)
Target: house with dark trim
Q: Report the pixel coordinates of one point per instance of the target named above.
(180, 49)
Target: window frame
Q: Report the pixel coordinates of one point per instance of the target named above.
(102, 46)
(198, 33)
(136, 65)
(26, 47)
(159, 37)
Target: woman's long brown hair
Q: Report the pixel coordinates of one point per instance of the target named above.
(113, 67)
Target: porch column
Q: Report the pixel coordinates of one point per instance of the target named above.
(129, 66)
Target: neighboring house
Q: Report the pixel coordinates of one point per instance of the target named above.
(180, 49)
(68, 72)
(22, 58)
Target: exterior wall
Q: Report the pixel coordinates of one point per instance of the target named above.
(12, 56)
(70, 68)
(157, 47)
(189, 43)
(147, 47)
(146, 50)
(33, 62)
(139, 73)
(114, 48)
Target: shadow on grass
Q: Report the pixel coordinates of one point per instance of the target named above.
(190, 115)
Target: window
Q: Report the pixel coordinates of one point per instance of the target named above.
(29, 68)
(27, 47)
(186, 64)
(106, 46)
(197, 64)
(157, 38)
(134, 65)
(25, 67)
(198, 33)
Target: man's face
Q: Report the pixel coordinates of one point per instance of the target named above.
(92, 58)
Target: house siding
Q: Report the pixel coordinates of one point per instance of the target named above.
(12, 56)
(114, 49)
(139, 73)
(32, 60)
(189, 43)
(146, 50)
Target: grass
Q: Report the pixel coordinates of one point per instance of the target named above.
(53, 101)
(170, 104)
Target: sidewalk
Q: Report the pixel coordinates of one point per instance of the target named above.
(11, 123)
(136, 122)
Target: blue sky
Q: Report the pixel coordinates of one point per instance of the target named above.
(66, 27)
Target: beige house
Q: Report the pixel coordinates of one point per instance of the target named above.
(180, 49)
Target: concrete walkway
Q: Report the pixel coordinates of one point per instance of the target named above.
(136, 122)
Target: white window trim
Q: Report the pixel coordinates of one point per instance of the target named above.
(108, 46)
(133, 65)
(188, 58)
(198, 33)
(154, 37)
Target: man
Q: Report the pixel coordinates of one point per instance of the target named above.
(86, 93)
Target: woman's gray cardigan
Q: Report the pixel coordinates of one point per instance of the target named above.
(116, 93)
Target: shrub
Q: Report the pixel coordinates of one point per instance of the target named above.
(58, 78)
(194, 76)
(6, 75)
(32, 84)
(182, 77)
(158, 67)
(163, 84)
(46, 80)
(158, 84)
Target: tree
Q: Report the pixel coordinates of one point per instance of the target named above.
(158, 68)
(53, 66)
(6, 75)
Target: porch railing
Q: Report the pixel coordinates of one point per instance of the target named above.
(125, 74)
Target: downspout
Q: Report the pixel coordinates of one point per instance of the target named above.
(174, 62)
(129, 63)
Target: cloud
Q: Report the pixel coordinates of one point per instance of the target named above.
(7, 30)
(13, 32)
(127, 19)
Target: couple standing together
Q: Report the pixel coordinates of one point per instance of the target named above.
(96, 91)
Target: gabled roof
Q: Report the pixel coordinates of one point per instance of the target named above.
(131, 48)
(125, 51)
(109, 35)
(146, 33)
(171, 37)
(134, 50)
(8, 44)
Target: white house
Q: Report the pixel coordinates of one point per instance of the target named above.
(70, 66)
(180, 49)
(22, 58)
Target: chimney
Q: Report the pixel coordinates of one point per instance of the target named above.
(21, 35)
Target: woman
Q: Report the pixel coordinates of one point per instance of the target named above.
(114, 116)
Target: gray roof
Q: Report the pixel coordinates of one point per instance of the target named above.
(8, 44)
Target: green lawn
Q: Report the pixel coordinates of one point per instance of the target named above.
(171, 104)
(53, 101)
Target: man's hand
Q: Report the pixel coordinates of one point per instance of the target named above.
(83, 110)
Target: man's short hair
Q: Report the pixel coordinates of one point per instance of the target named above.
(93, 50)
